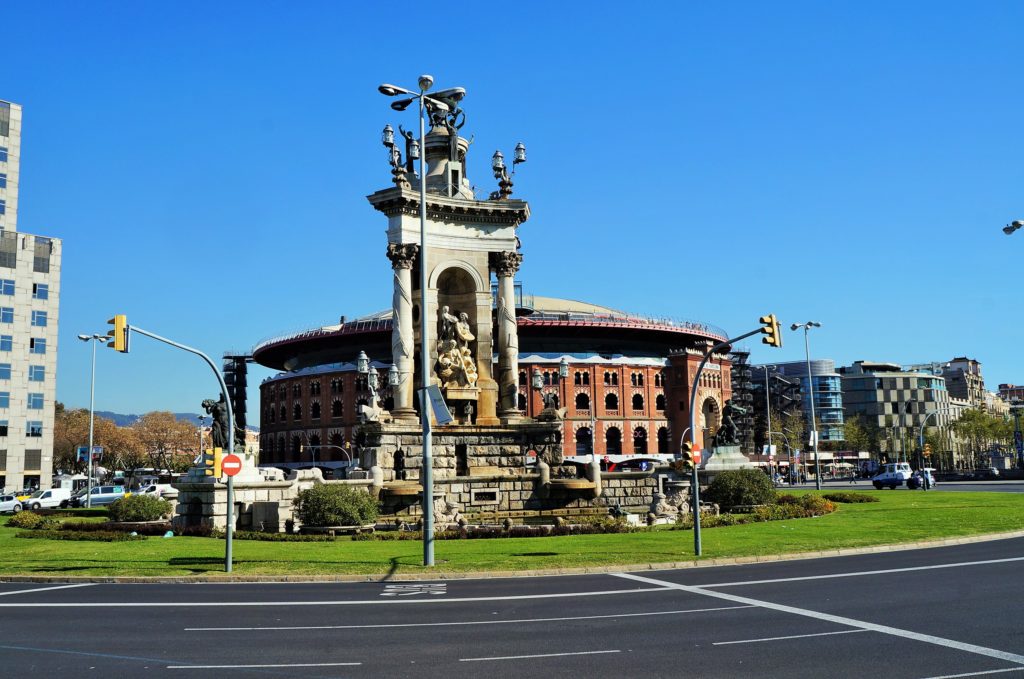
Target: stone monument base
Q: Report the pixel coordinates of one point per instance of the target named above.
(726, 457)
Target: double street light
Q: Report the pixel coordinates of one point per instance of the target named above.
(94, 338)
(433, 105)
(1013, 226)
(810, 393)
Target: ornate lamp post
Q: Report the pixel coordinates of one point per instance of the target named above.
(1013, 226)
(501, 170)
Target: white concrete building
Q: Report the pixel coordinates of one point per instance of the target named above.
(29, 295)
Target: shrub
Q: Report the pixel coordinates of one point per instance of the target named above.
(335, 505)
(816, 505)
(850, 497)
(27, 520)
(139, 508)
(97, 536)
(737, 487)
(787, 499)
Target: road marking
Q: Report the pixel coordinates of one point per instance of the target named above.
(249, 667)
(887, 571)
(849, 622)
(794, 636)
(47, 589)
(975, 674)
(354, 602)
(435, 589)
(539, 655)
(458, 623)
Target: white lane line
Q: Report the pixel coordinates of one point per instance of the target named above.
(539, 655)
(887, 571)
(47, 589)
(794, 636)
(355, 602)
(849, 622)
(457, 623)
(976, 674)
(243, 667)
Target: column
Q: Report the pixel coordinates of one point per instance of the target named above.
(505, 265)
(403, 341)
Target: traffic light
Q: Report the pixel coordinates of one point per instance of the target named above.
(687, 452)
(212, 461)
(118, 333)
(773, 336)
(927, 450)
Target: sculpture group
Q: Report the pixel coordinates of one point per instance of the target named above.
(456, 365)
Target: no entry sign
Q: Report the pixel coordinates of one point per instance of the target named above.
(231, 465)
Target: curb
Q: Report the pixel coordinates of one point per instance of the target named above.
(480, 575)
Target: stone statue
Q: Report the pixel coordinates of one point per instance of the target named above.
(728, 433)
(218, 411)
(456, 365)
(446, 514)
(410, 139)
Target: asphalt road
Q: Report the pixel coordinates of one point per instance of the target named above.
(952, 611)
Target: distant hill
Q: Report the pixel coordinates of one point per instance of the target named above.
(128, 420)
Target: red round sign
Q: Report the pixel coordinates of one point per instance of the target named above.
(231, 465)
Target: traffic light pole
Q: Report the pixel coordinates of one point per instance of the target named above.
(230, 432)
(695, 482)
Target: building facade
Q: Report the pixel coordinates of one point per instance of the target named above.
(10, 164)
(899, 401)
(825, 386)
(30, 269)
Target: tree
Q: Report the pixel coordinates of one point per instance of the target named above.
(168, 441)
(121, 448)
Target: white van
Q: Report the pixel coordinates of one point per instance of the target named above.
(47, 499)
(892, 475)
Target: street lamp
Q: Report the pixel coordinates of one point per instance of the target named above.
(95, 337)
(501, 170)
(202, 423)
(425, 82)
(810, 391)
(1013, 226)
(768, 412)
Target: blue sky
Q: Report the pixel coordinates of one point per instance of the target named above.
(207, 165)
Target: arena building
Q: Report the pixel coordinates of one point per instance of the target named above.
(618, 392)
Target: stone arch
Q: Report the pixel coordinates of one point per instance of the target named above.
(582, 401)
(459, 265)
(710, 418)
(584, 440)
(663, 441)
(613, 441)
(640, 440)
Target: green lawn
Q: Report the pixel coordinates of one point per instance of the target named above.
(901, 516)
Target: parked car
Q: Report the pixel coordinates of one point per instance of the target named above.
(892, 475)
(9, 503)
(101, 496)
(47, 499)
(155, 489)
(917, 479)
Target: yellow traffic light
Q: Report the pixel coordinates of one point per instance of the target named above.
(118, 333)
(687, 451)
(212, 459)
(927, 450)
(773, 335)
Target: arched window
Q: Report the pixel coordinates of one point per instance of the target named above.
(521, 402)
(281, 450)
(522, 378)
(663, 440)
(297, 412)
(639, 379)
(640, 441)
(659, 402)
(586, 378)
(336, 440)
(554, 401)
(611, 402)
(361, 402)
(314, 388)
(314, 410)
(336, 408)
(283, 391)
(613, 441)
(615, 378)
(273, 414)
(336, 386)
(584, 441)
(632, 379)
(284, 413)
(297, 390)
(314, 440)
(547, 379)
(638, 402)
(578, 378)
(582, 402)
(296, 445)
(362, 383)
(607, 378)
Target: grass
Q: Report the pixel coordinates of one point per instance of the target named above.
(901, 516)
